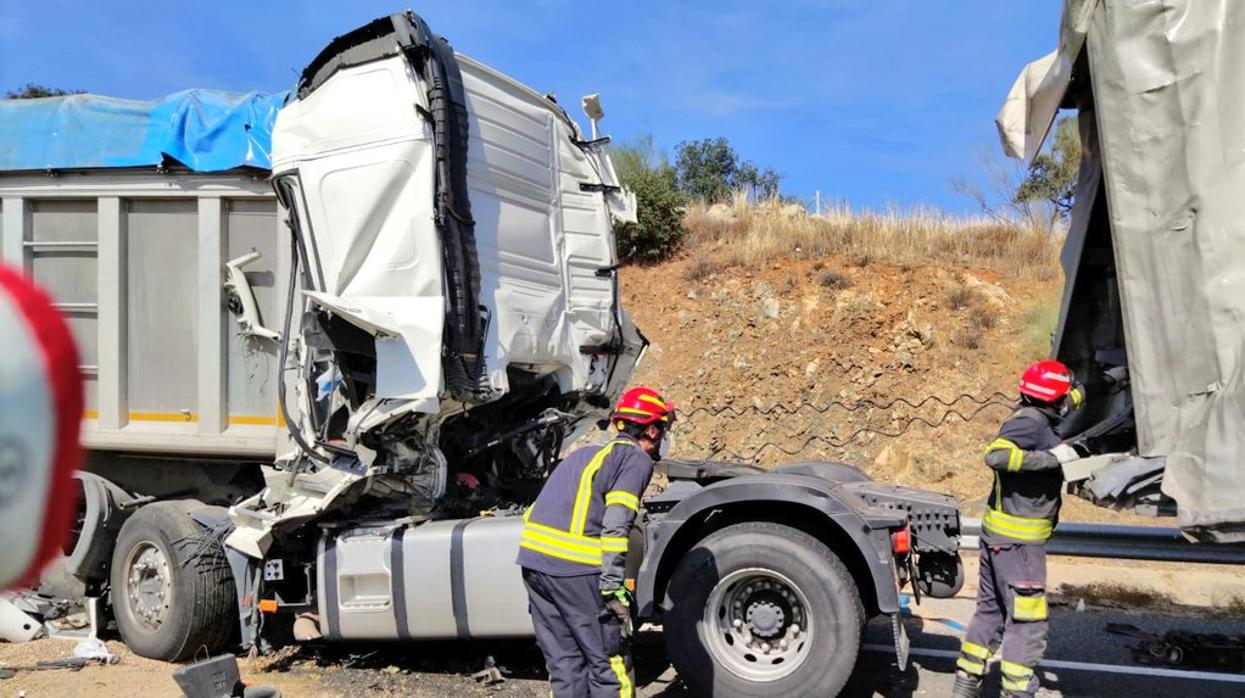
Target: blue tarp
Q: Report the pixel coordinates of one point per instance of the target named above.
(204, 130)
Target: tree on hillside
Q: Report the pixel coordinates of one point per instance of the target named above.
(1052, 175)
(1039, 196)
(710, 170)
(659, 203)
(32, 91)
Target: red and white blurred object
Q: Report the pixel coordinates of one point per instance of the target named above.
(40, 417)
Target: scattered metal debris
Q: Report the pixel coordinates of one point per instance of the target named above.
(491, 674)
(1180, 648)
(71, 663)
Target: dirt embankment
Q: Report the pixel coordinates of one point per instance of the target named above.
(837, 340)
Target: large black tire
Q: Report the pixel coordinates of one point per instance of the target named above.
(716, 667)
(170, 568)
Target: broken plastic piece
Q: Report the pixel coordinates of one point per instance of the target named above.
(242, 299)
(16, 625)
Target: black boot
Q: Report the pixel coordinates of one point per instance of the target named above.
(966, 685)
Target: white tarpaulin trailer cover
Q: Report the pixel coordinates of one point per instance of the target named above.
(1155, 257)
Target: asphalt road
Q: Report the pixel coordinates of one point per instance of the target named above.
(1084, 660)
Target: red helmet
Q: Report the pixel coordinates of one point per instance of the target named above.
(641, 405)
(1047, 380)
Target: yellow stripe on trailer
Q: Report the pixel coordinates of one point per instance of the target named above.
(191, 417)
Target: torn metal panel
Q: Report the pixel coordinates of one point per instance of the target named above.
(1031, 105)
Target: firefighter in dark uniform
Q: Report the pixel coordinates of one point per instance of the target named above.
(1020, 515)
(573, 551)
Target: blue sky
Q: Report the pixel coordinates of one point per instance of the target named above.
(877, 102)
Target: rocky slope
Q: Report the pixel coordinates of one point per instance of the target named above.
(801, 359)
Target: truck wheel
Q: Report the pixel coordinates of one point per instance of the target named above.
(761, 609)
(172, 590)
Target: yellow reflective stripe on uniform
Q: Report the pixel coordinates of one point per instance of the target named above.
(1016, 677)
(624, 680)
(1017, 527)
(612, 544)
(587, 549)
(559, 533)
(1029, 607)
(974, 650)
(974, 668)
(1019, 671)
(1016, 685)
(560, 553)
(583, 496)
(623, 498)
(1015, 455)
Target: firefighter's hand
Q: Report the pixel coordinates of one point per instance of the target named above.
(618, 604)
(1064, 453)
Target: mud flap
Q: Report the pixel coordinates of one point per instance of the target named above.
(902, 642)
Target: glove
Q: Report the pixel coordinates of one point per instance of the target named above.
(1064, 453)
(618, 604)
(620, 593)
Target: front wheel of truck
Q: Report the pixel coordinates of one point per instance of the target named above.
(172, 590)
(761, 609)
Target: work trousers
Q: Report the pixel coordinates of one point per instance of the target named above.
(1011, 610)
(581, 639)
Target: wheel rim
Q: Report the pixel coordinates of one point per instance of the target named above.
(758, 624)
(148, 585)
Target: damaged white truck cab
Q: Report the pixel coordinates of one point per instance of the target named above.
(452, 234)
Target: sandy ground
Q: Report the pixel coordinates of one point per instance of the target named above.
(441, 669)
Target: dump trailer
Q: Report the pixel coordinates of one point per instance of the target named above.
(1154, 292)
(328, 371)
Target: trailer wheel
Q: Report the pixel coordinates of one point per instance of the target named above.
(761, 609)
(172, 590)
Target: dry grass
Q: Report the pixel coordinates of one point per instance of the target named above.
(983, 318)
(1235, 606)
(1117, 594)
(747, 234)
(701, 267)
(969, 338)
(961, 297)
(828, 278)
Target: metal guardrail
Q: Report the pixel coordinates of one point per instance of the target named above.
(1123, 543)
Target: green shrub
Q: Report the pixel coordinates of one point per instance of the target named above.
(1039, 329)
(659, 204)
